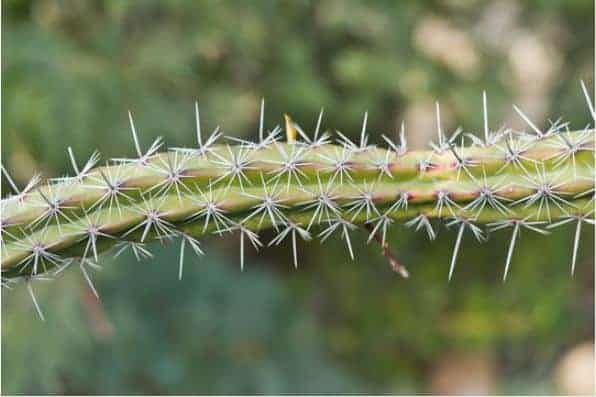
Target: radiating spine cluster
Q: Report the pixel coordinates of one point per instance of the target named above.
(302, 188)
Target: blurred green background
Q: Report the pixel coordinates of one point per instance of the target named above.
(71, 70)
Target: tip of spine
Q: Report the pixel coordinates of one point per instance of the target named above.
(290, 129)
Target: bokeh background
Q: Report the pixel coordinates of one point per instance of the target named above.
(71, 70)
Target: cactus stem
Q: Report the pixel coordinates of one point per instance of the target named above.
(504, 179)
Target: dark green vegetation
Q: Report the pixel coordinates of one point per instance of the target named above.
(72, 69)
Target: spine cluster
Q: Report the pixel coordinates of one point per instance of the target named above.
(306, 187)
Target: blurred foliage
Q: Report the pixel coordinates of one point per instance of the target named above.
(71, 69)
(219, 331)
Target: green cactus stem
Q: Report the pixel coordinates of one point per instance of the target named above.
(303, 188)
